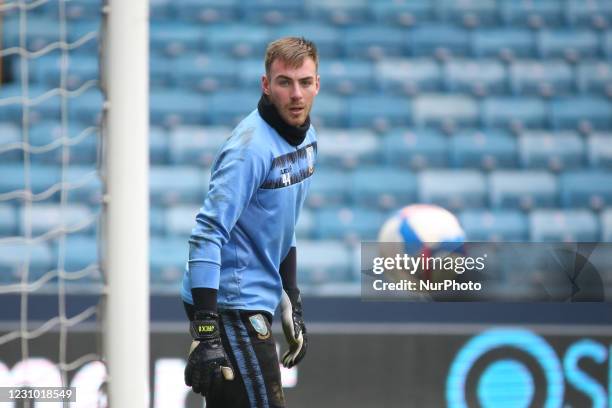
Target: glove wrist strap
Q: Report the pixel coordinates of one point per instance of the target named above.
(205, 326)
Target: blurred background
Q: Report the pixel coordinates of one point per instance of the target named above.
(497, 110)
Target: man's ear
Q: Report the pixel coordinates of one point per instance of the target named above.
(318, 84)
(265, 84)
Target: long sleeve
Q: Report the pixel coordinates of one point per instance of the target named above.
(237, 174)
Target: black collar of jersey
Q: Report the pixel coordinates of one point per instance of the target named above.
(294, 135)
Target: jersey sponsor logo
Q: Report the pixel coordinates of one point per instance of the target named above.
(292, 168)
(259, 324)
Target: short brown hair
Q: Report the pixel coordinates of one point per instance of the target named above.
(291, 50)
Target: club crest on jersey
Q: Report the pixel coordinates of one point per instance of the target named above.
(310, 159)
(259, 324)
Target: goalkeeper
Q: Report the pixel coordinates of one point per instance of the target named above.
(242, 251)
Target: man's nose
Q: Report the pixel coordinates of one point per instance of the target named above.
(296, 92)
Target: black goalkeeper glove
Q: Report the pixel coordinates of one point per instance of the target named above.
(207, 365)
(293, 327)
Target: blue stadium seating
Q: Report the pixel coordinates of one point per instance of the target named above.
(594, 77)
(84, 184)
(44, 218)
(204, 72)
(483, 149)
(41, 178)
(471, 12)
(167, 260)
(174, 107)
(330, 111)
(565, 226)
(86, 107)
(522, 189)
(236, 39)
(381, 187)
(600, 150)
(10, 135)
(477, 76)
(229, 107)
(323, 261)
(513, 111)
(305, 226)
(348, 223)
(586, 189)
(445, 109)
(607, 44)
(343, 148)
(80, 68)
(556, 151)
(79, 253)
(248, 72)
(157, 221)
(503, 42)
(174, 39)
(180, 220)
(206, 11)
(587, 13)
(81, 142)
(543, 77)
(378, 111)
(41, 31)
(340, 12)
(533, 13)
(418, 149)
(174, 184)
(158, 145)
(326, 37)
(408, 76)
(347, 76)
(499, 226)
(371, 41)
(271, 11)
(8, 220)
(196, 145)
(454, 189)
(433, 38)
(13, 258)
(328, 188)
(573, 112)
(404, 13)
(571, 44)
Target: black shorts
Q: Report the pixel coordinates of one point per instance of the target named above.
(247, 338)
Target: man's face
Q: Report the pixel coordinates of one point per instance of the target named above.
(292, 90)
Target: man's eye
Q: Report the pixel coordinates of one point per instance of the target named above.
(306, 83)
(283, 83)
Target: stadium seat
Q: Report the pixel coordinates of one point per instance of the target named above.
(171, 107)
(344, 148)
(41, 31)
(606, 225)
(372, 41)
(80, 68)
(594, 77)
(607, 44)
(574, 112)
(571, 44)
(41, 178)
(470, 12)
(497, 226)
(323, 261)
(16, 257)
(87, 107)
(431, 39)
(157, 221)
(600, 150)
(158, 145)
(236, 39)
(81, 142)
(555, 151)
(44, 103)
(503, 42)
(304, 228)
(347, 76)
(8, 220)
(167, 260)
(513, 112)
(181, 219)
(196, 145)
(480, 76)
(522, 189)
(565, 226)
(204, 72)
(175, 39)
(404, 13)
(230, 107)
(445, 109)
(408, 76)
(248, 72)
(378, 111)
(453, 189)
(271, 11)
(206, 11)
(161, 71)
(416, 149)
(173, 184)
(328, 188)
(541, 77)
(84, 184)
(80, 252)
(325, 36)
(42, 218)
(353, 224)
(586, 189)
(383, 187)
(330, 111)
(483, 149)
(10, 135)
(533, 13)
(589, 13)
(340, 12)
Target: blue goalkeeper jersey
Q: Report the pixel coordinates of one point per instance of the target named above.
(246, 226)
